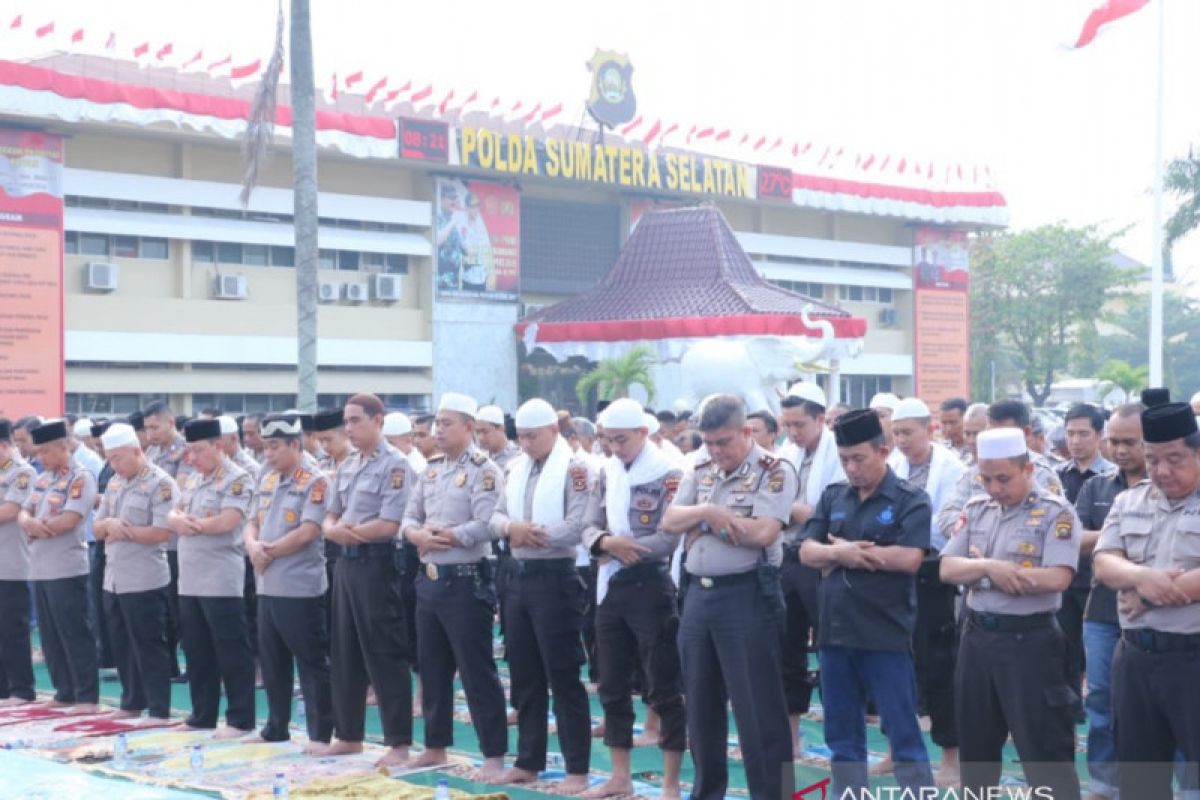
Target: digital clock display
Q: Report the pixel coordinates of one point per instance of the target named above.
(774, 183)
(424, 140)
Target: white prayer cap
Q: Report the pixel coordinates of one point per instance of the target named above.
(911, 408)
(885, 400)
(453, 401)
(492, 414)
(396, 424)
(624, 415)
(83, 428)
(1000, 443)
(651, 423)
(535, 413)
(228, 424)
(809, 391)
(681, 405)
(1195, 398)
(118, 435)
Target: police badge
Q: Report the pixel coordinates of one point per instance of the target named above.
(611, 101)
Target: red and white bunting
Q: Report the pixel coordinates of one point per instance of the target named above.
(376, 88)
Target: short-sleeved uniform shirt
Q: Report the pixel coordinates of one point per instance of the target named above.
(281, 504)
(214, 564)
(143, 501)
(372, 486)
(1041, 531)
(762, 487)
(245, 460)
(459, 494)
(68, 490)
(860, 608)
(17, 478)
(563, 535)
(1151, 530)
(648, 503)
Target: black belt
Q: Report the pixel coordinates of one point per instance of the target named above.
(791, 551)
(1151, 641)
(372, 550)
(1009, 623)
(716, 581)
(445, 572)
(545, 566)
(640, 572)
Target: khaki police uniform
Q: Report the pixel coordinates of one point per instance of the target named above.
(17, 478)
(504, 564)
(456, 597)
(970, 486)
(1009, 677)
(170, 460)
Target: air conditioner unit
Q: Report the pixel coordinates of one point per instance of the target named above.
(101, 276)
(385, 288)
(355, 293)
(230, 287)
(328, 292)
(887, 317)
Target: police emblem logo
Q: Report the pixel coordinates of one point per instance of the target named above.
(290, 517)
(611, 101)
(887, 516)
(237, 487)
(775, 482)
(1026, 548)
(644, 519)
(164, 491)
(23, 481)
(77, 489)
(489, 481)
(398, 478)
(579, 479)
(1063, 526)
(317, 495)
(460, 479)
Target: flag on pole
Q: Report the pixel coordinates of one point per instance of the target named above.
(164, 51)
(552, 111)
(141, 50)
(375, 89)
(1110, 11)
(445, 103)
(77, 36)
(111, 44)
(194, 59)
(424, 94)
(353, 78)
(246, 70)
(631, 127)
(215, 66)
(652, 133)
(332, 94)
(394, 94)
(532, 114)
(45, 30)
(16, 23)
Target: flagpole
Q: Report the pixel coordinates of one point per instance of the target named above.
(1156, 270)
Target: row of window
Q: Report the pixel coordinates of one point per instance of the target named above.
(851, 294)
(87, 404)
(103, 245)
(814, 290)
(261, 255)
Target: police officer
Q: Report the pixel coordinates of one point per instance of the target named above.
(733, 509)
(370, 640)
(283, 539)
(329, 427)
(17, 478)
(208, 518)
(868, 536)
(447, 519)
(492, 438)
(1017, 550)
(104, 652)
(541, 515)
(53, 519)
(132, 522)
(231, 445)
(637, 620)
(252, 437)
(1149, 552)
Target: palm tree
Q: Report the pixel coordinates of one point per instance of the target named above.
(1183, 179)
(1125, 377)
(612, 377)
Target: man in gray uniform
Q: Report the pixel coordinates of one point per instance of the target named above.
(1017, 550)
(733, 509)
(212, 578)
(447, 520)
(54, 518)
(283, 540)
(492, 438)
(231, 445)
(541, 515)
(17, 478)
(637, 619)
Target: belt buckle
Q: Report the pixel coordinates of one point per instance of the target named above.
(706, 582)
(431, 572)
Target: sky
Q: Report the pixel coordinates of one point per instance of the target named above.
(1068, 134)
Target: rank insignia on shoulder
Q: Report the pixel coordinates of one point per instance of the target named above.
(164, 491)
(479, 458)
(77, 489)
(775, 482)
(489, 481)
(398, 478)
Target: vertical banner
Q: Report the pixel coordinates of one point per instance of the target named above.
(941, 329)
(31, 274)
(478, 227)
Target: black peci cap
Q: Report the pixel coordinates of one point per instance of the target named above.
(1155, 397)
(202, 430)
(327, 420)
(856, 427)
(1168, 422)
(50, 431)
(137, 421)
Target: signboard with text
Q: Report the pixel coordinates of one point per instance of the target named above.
(478, 228)
(941, 330)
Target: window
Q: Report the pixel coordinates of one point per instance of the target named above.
(347, 260)
(326, 259)
(865, 294)
(372, 262)
(93, 244)
(814, 290)
(229, 253)
(88, 404)
(202, 252)
(283, 257)
(254, 255)
(857, 390)
(396, 264)
(153, 248)
(234, 404)
(71, 242)
(125, 246)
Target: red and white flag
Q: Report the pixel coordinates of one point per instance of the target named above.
(528, 118)
(332, 93)
(77, 36)
(394, 95)
(216, 67)
(141, 50)
(45, 30)
(1110, 11)
(164, 51)
(111, 43)
(442, 106)
(552, 112)
(16, 23)
(631, 127)
(467, 104)
(194, 59)
(245, 71)
(651, 134)
(353, 78)
(424, 94)
(375, 89)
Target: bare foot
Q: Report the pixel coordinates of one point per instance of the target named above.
(613, 787)
(230, 733)
(884, 767)
(316, 749)
(371, 700)
(490, 772)
(257, 739)
(430, 757)
(670, 793)
(512, 718)
(646, 739)
(516, 775)
(570, 785)
(340, 748)
(947, 776)
(598, 730)
(395, 757)
(14, 701)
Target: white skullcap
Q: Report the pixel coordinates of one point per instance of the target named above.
(1000, 443)
(911, 408)
(681, 405)
(624, 415)
(885, 400)
(83, 428)
(396, 424)
(228, 424)
(119, 435)
(651, 424)
(536, 413)
(493, 414)
(1195, 398)
(453, 401)
(811, 392)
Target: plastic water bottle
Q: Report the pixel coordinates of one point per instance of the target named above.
(197, 761)
(279, 789)
(120, 751)
(301, 712)
(442, 792)
(17, 744)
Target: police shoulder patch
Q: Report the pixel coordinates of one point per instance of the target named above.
(479, 458)
(489, 481)
(775, 481)
(237, 487)
(317, 495)
(579, 479)
(77, 489)
(23, 481)
(1064, 525)
(398, 478)
(164, 491)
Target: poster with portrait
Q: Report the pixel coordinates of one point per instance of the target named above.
(941, 318)
(477, 225)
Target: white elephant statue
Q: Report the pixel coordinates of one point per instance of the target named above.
(754, 369)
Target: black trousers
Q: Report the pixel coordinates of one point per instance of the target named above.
(935, 651)
(637, 625)
(250, 602)
(454, 620)
(137, 623)
(67, 640)
(544, 614)
(218, 652)
(1012, 682)
(799, 585)
(588, 574)
(1157, 714)
(97, 559)
(173, 622)
(729, 639)
(505, 565)
(16, 655)
(370, 647)
(408, 593)
(333, 552)
(291, 635)
(1070, 619)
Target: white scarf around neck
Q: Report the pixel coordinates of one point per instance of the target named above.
(549, 498)
(650, 465)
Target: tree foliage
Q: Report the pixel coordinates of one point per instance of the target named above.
(612, 377)
(1128, 379)
(1129, 340)
(1182, 179)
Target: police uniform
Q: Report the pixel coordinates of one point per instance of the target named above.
(544, 609)
(17, 479)
(1009, 677)
(170, 460)
(212, 579)
(456, 598)
(637, 623)
(246, 461)
(370, 638)
(733, 604)
(504, 564)
(326, 421)
(136, 578)
(970, 486)
(58, 567)
(1155, 704)
(291, 602)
